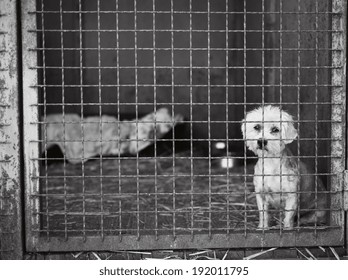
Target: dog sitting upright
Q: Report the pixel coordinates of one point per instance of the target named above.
(281, 180)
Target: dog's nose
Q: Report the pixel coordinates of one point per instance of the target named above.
(261, 143)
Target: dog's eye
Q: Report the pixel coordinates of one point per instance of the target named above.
(275, 130)
(257, 127)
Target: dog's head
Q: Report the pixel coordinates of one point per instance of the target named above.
(267, 130)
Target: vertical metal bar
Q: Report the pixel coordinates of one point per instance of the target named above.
(263, 96)
(227, 118)
(118, 118)
(82, 125)
(209, 124)
(45, 115)
(263, 56)
(245, 112)
(30, 123)
(344, 109)
(63, 111)
(280, 96)
(136, 114)
(155, 109)
(316, 114)
(271, 19)
(173, 100)
(339, 112)
(11, 234)
(338, 82)
(191, 128)
(298, 97)
(100, 127)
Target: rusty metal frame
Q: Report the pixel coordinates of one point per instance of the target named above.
(339, 112)
(30, 114)
(338, 108)
(333, 236)
(11, 236)
(344, 82)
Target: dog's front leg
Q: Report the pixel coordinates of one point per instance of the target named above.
(262, 205)
(290, 211)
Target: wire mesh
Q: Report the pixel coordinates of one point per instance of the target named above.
(195, 68)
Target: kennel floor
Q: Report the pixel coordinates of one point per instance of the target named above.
(135, 196)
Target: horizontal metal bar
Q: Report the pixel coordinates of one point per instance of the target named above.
(184, 67)
(178, 49)
(250, 239)
(180, 86)
(162, 231)
(189, 12)
(189, 103)
(179, 157)
(187, 31)
(85, 195)
(177, 211)
(172, 176)
(154, 121)
(169, 140)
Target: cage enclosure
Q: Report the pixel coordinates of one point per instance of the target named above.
(133, 114)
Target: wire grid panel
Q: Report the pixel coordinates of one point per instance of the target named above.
(132, 118)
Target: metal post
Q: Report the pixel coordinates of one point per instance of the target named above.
(11, 237)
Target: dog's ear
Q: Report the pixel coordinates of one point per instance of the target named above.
(243, 127)
(289, 131)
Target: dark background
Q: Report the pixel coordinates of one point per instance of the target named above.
(290, 59)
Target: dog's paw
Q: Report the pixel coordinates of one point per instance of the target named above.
(262, 227)
(288, 227)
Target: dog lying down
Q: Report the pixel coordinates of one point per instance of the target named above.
(80, 139)
(281, 180)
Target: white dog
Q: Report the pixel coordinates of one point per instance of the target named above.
(280, 179)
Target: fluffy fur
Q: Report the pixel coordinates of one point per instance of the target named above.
(279, 178)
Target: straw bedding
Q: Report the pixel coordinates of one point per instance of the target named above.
(143, 196)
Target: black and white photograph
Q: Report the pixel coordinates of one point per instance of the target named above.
(173, 130)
